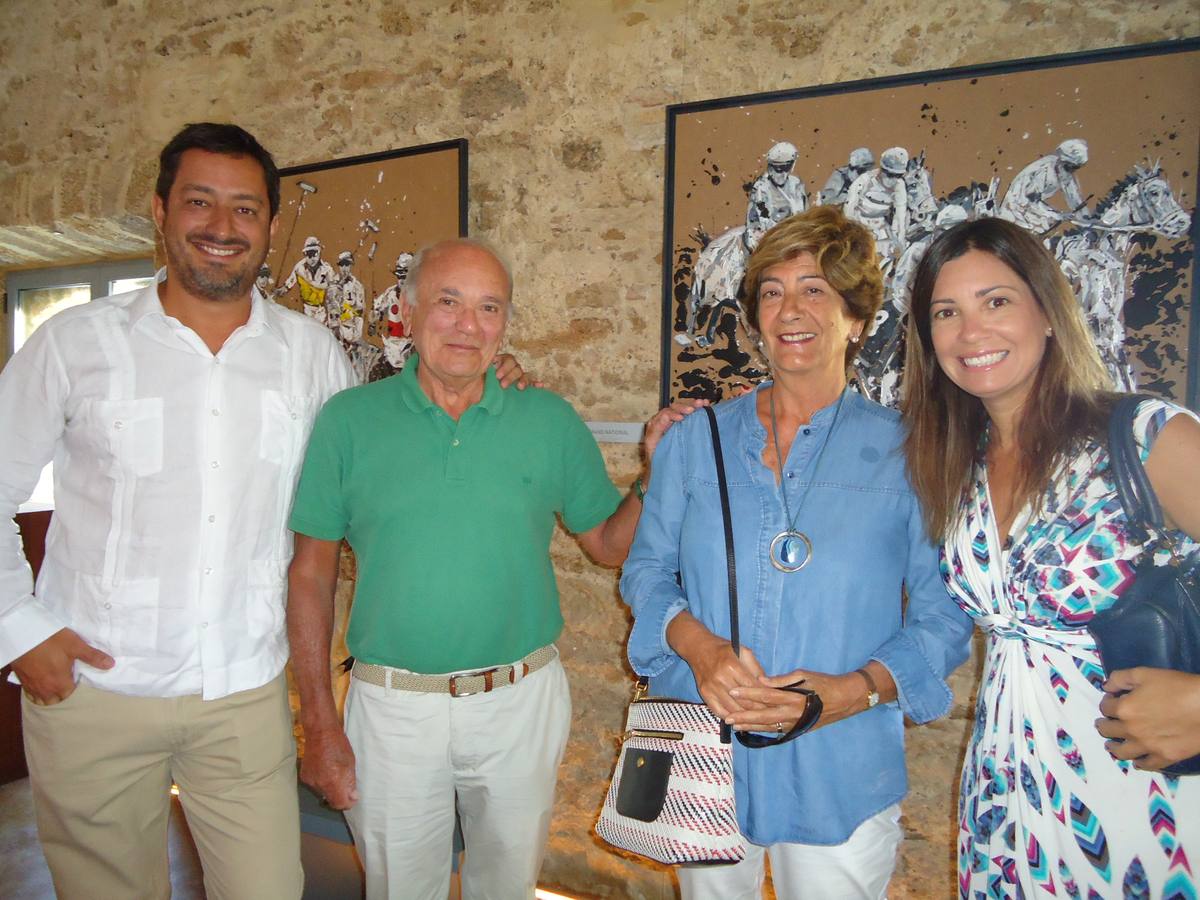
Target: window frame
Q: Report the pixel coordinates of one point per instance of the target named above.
(96, 274)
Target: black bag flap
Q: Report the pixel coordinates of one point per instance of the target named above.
(645, 775)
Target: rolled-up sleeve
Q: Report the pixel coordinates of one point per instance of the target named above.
(33, 391)
(650, 582)
(935, 637)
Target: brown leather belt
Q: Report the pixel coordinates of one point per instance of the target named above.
(462, 685)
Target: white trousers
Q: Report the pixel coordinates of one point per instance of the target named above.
(859, 869)
(497, 754)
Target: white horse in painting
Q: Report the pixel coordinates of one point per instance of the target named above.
(716, 281)
(1095, 257)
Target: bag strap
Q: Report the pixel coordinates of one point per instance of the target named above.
(730, 560)
(1133, 486)
(727, 521)
(813, 708)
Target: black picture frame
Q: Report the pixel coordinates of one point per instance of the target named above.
(715, 148)
(380, 208)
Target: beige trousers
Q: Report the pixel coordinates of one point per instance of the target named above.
(101, 766)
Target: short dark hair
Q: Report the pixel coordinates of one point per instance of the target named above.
(215, 137)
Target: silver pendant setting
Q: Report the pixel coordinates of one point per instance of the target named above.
(790, 550)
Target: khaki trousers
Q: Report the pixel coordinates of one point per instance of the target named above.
(101, 766)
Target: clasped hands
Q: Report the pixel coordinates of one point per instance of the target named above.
(741, 694)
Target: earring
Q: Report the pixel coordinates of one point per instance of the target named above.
(1049, 331)
(854, 338)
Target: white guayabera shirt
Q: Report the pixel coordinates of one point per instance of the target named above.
(173, 477)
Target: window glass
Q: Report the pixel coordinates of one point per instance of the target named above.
(36, 305)
(121, 285)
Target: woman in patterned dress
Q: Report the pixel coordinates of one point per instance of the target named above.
(1007, 411)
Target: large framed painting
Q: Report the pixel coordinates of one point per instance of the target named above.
(1096, 152)
(347, 233)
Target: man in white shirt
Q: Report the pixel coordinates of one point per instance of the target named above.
(154, 647)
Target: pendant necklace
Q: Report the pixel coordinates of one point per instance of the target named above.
(792, 549)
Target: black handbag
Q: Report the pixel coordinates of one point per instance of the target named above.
(1156, 622)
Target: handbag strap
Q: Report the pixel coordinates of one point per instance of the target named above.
(1133, 486)
(730, 561)
(727, 521)
(813, 708)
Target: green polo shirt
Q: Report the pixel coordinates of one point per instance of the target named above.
(450, 521)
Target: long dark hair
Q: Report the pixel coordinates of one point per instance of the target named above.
(1067, 405)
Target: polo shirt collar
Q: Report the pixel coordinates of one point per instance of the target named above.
(416, 399)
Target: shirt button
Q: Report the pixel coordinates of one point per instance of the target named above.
(118, 425)
(208, 571)
(294, 416)
(203, 624)
(807, 431)
(108, 606)
(216, 412)
(212, 518)
(215, 464)
(454, 443)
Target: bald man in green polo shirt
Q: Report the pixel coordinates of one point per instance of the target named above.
(447, 487)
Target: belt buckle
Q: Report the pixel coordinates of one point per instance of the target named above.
(487, 682)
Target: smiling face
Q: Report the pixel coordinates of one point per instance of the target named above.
(988, 330)
(460, 314)
(804, 322)
(216, 225)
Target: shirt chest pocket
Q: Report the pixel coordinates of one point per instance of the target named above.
(129, 433)
(286, 422)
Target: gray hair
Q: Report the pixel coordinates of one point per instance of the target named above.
(414, 268)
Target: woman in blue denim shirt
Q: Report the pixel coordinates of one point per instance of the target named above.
(828, 537)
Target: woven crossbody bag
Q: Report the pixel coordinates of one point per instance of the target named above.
(671, 797)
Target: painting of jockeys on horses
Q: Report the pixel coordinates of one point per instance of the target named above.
(1095, 153)
(347, 231)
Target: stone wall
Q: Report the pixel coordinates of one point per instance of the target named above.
(563, 103)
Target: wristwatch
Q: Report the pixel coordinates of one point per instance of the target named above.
(872, 691)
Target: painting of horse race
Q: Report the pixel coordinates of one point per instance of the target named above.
(347, 232)
(1096, 153)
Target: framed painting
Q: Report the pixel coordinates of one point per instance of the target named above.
(347, 233)
(1096, 152)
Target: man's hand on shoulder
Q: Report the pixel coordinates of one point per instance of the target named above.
(509, 372)
(47, 672)
(328, 767)
(664, 419)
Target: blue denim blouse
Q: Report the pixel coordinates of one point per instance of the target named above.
(843, 609)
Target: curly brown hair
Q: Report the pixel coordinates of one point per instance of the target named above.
(844, 250)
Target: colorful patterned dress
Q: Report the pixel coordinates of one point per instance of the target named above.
(1044, 809)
